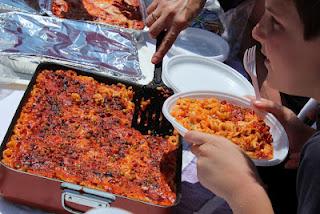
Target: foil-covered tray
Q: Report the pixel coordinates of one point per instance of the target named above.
(98, 48)
(28, 6)
(46, 8)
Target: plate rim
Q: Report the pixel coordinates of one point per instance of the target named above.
(214, 62)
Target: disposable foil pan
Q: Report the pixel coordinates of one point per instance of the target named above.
(105, 50)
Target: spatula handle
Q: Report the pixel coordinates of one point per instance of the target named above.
(158, 66)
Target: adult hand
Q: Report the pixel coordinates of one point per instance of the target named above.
(172, 16)
(228, 172)
(298, 133)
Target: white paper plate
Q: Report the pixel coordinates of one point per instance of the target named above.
(195, 41)
(280, 138)
(189, 73)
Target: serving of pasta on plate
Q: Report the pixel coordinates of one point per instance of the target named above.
(240, 125)
(259, 134)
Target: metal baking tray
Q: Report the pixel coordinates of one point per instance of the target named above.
(62, 197)
(46, 8)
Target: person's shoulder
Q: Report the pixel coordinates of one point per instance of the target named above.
(312, 148)
(308, 177)
(314, 139)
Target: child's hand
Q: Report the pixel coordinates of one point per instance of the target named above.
(298, 133)
(221, 167)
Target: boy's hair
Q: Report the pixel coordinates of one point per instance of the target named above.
(309, 11)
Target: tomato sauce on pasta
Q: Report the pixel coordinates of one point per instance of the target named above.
(240, 125)
(124, 13)
(76, 129)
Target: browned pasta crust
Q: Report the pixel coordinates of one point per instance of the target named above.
(124, 13)
(78, 130)
(240, 125)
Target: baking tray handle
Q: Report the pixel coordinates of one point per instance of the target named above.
(85, 197)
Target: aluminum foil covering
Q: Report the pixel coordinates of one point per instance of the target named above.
(106, 50)
(46, 5)
(28, 6)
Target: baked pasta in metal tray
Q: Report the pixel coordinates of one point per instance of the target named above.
(76, 129)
